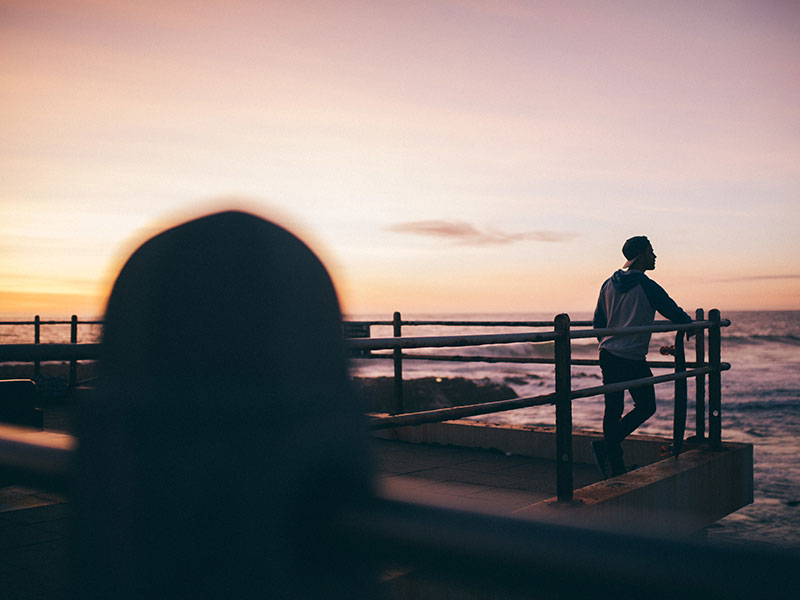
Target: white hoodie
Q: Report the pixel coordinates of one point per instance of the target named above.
(630, 299)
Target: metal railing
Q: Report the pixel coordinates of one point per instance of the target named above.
(561, 336)
(37, 356)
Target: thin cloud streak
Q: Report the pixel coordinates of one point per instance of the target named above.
(466, 233)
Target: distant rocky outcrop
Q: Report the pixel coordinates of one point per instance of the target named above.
(427, 393)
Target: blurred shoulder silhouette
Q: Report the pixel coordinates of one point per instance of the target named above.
(223, 436)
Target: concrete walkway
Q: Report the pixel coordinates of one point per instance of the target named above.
(34, 541)
(467, 478)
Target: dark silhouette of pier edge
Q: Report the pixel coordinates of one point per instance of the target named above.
(223, 436)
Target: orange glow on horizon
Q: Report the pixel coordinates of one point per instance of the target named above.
(50, 305)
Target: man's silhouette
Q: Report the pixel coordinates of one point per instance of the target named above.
(629, 298)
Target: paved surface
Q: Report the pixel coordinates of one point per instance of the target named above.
(469, 479)
(33, 547)
(34, 526)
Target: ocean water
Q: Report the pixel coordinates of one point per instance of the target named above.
(760, 398)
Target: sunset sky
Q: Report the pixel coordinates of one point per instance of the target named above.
(444, 156)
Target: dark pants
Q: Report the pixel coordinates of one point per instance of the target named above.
(616, 427)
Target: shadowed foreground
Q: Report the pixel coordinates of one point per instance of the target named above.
(223, 435)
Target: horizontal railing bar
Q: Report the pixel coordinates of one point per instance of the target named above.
(624, 385)
(446, 341)
(460, 358)
(655, 328)
(45, 352)
(659, 326)
(668, 325)
(415, 323)
(507, 338)
(459, 412)
(576, 323)
(457, 358)
(27, 352)
(580, 323)
(581, 362)
(485, 408)
(63, 351)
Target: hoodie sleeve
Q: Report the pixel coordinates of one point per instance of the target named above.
(663, 303)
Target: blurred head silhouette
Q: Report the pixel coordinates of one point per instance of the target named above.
(223, 436)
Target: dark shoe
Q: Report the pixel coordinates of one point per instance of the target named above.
(617, 465)
(600, 456)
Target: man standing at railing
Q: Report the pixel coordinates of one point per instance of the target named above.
(629, 298)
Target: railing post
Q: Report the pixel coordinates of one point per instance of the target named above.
(700, 380)
(714, 381)
(563, 409)
(398, 366)
(73, 339)
(37, 338)
(679, 415)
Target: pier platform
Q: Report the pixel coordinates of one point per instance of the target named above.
(473, 479)
(461, 465)
(660, 495)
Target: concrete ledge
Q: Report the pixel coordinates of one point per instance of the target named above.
(665, 496)
(675, 497)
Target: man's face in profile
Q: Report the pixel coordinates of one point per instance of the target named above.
(648, 259)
